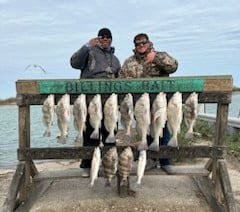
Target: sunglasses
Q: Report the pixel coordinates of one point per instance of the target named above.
(144, 42)
(105, 36)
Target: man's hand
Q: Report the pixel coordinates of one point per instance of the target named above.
(94, 42)
(150, 57)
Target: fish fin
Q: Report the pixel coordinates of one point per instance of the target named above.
(143, 146)
(46, 134)
(110, 139)
(95, 134)
(154, 147)
(169, 128)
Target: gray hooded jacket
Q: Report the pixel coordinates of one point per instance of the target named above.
(96, 62)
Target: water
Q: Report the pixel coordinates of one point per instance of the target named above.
(9, 130)
(234, 107)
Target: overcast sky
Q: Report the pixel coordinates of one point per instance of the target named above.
(203, 35)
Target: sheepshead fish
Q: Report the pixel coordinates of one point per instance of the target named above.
(174, 117)
(125, 165)
(190, 114)
(110, 163)
(80, 115)
(127, 115)
(95, 113)
(142, 160)
(63, 117)
(142, 116)
(111, 117)
(95, 164)
(159, 118)
(48, 114)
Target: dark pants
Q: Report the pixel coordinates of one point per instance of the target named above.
(163, 141)
(93, 142)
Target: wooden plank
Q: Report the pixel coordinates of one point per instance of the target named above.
(38, 99)
(139, 85)
(216, 84)
(87, 152)
(27, 86)
(219, 139)
(189, 170)
(11, 199)
(226, 187)
(103, 86)
(75, 172)
(206, 187)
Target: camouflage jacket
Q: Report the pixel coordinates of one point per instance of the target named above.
(162, 65)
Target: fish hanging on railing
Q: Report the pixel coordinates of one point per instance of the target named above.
(48, 110)
(63, 117)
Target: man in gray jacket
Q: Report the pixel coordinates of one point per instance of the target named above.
(95, 59)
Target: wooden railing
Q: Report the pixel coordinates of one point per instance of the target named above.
(211, 89)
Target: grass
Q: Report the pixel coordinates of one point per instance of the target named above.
(207, 131)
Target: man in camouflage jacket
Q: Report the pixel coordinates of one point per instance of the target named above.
(149, 63)
(146, 62)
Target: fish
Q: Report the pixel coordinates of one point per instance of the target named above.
(96, 115)
(190, 114)
(63, 117)
(110, 164)
(80, 116)
(125, 165)
(127, 115)
(95, 165)
(159, 118)
(48, 110)
(110, 111)
(143, 119)
(174, 117)
(142, 160)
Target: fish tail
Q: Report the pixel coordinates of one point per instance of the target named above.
(124, 182)
(95, 134)
(79, 139)
(108, 183)
(173, 142)
(154, 146)
(139, 180)
(91, 184)
(47, 133)
(61, 139)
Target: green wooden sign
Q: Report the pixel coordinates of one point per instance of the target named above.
(153, 85)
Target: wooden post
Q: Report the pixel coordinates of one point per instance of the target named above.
(24, 142)
(220, 135)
